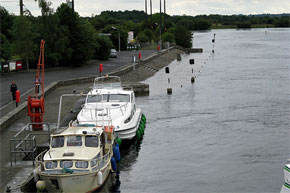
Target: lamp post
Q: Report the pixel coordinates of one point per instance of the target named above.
(160, 26)
(114, 28)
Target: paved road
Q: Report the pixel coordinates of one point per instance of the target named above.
(25, 79)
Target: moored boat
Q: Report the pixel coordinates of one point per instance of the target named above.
(80, 158)
(286, 186)
(119, 106)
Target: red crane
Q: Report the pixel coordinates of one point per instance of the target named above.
(35, 103)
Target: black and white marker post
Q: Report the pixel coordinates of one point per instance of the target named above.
(169, 90)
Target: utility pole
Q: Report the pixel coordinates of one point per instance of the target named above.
(160, 27)
(21, 7)
(164, 16)
(151, 12)
(73, 5)
(146, 7)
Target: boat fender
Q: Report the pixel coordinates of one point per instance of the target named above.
(35, 175)
(142, 121)
(40, 185)
(116, 152)
(100, 178)
(141, 130)
(119, 141)
(142, 126)
(138, 135)
(113, 163)
(143, 117)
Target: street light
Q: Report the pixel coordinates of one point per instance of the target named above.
(114, 28)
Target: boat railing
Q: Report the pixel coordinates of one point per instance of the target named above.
(24, 142)
(107, 110)
(39, 159)
(101, 163)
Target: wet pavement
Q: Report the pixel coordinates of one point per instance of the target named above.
(25, 80)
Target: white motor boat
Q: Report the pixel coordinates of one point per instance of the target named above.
(80, 158)
(118, 105)
(286, 186)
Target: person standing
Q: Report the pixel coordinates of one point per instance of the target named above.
(13, 89)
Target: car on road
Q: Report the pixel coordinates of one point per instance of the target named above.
(113, 53)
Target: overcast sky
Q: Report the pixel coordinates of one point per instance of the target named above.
(173, 7)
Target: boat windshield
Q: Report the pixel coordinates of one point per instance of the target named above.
(108, 98)
(92, 141)
(74, 140)
(57, 141)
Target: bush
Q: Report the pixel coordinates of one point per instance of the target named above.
(142, 37)
(243, 25)
(183, 37)
(102, 51)
(168, 37)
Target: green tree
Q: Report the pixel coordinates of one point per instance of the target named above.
(81, 35)
(5, 52)
(23, 39)
(143, 38)
(103, 46)
(58, 50)
(183, 37)
(6, 23)
(168, 37)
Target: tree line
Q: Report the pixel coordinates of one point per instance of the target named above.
(71, 40)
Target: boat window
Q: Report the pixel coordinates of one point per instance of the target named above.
(82, 164)
(92, 141)
(66, 164)
(94, 98)
(75, 140)
(51, 164)
(93, 162)
(118, 98)
(57, 141)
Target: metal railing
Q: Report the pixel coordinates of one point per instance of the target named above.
(24, 142)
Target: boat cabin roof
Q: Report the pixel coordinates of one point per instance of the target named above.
(82, 129)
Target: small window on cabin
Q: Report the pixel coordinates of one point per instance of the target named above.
(93, 162)
(119, 98)
(75, 140)
(92, 141)
(81, 164)
(94, 98)
(66, 164)
(57, 141)
(50, 164)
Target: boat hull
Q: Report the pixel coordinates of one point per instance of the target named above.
(75, 183)
(129, 132)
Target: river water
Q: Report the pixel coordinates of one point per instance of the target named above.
(227, 132)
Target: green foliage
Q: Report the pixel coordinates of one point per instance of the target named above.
(103, 46)
(57, 48)
(282, 22)
(183, 37)
(5, 52)
(6, 23)
(115, 36)
(81, 35)
(168, 37)
(201, 24)
(243, 25)
(143, 38)
(23, 39)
